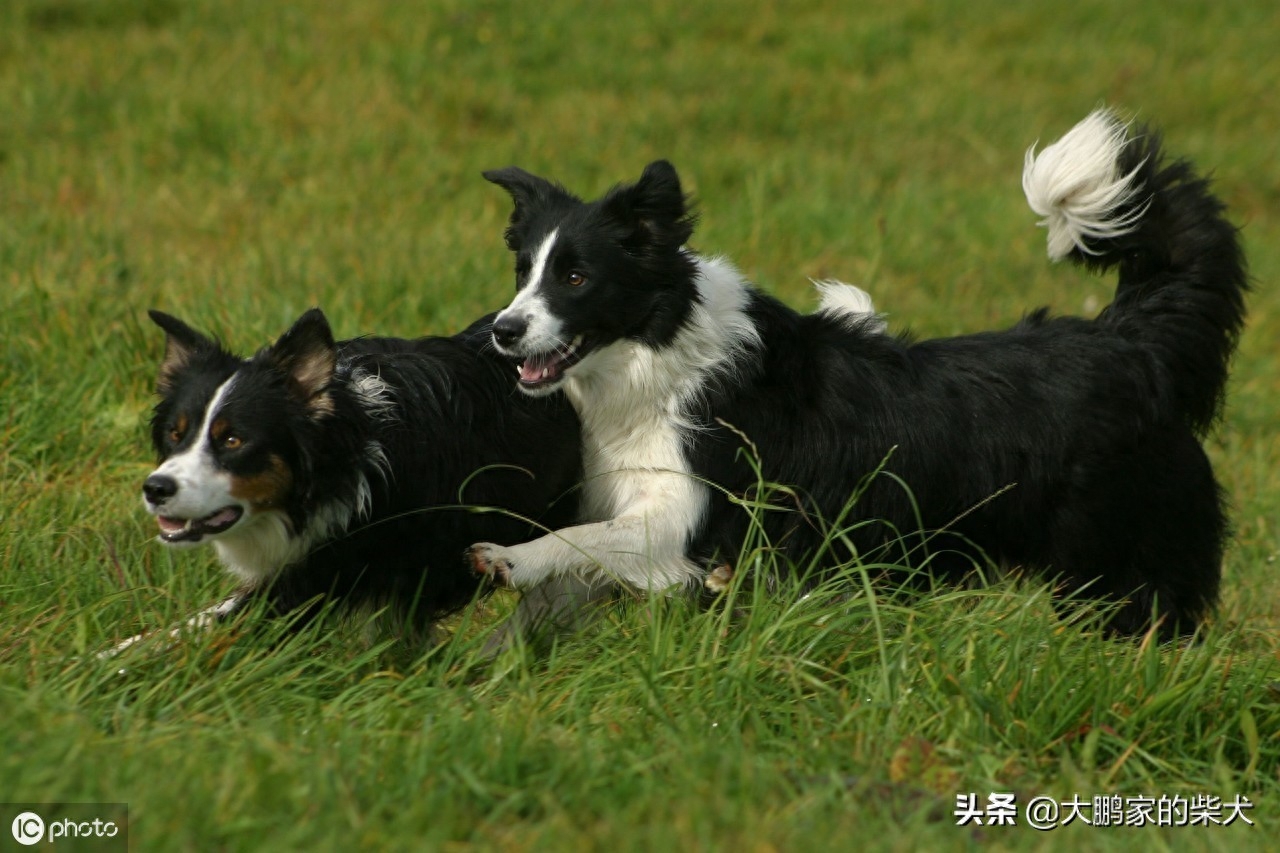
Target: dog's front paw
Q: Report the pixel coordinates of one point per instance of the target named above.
(118, 648)
(490, 561)
(719, 578)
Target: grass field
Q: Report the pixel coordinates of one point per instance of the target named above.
(236, 162)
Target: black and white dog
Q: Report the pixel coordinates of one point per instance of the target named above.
(1064, 445)
(350, 472)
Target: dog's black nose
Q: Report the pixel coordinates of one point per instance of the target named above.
(158, 488)
(509, 329)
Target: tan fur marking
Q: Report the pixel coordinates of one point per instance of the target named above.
(175, 359)
(312, 373)
(219, 428)
(266, 490)
(321, 404)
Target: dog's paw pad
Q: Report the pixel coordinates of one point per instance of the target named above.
(486, 560)
(718, 579)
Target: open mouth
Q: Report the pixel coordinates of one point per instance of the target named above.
(195, 529)
(546, 369)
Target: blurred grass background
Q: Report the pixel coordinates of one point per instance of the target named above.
(237, 162)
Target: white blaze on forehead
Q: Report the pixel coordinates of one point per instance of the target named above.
(202, 487)
(528, 297)
(544, 329)
(540, 259)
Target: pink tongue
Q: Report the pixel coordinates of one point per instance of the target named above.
(532, 369)
(220, 517)
(170, 525)
(173, 525)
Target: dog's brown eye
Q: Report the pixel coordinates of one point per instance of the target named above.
(175, 435)
(576, 279)
(231, 442)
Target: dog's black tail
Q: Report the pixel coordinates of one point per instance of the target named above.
(1108, 200)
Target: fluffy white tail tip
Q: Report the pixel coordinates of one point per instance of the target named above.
(852, 303)
(1076, 186)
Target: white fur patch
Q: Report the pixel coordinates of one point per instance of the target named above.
(1076, 186)
(375, 398)
(373, 394)
(544, 330)
(852, 304)
(541, 257)
(264, 543)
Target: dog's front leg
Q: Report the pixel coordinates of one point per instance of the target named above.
(198, 623)
(641, 551)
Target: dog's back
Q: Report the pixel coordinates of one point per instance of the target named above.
(1062, 444)
(467, 458)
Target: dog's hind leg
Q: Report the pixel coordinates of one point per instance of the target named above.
(1146, 529)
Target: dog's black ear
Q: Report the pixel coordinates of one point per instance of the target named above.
(654, 207)
(181, 342)
(530, 194)
(308, 355)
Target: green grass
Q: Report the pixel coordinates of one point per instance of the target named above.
(236, 162)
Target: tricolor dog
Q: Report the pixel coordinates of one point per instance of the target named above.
(350, 472)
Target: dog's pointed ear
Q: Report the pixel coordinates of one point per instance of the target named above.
(529, 194)
(655, 206)
(181, 343)
(308, 355)
(523, 187)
